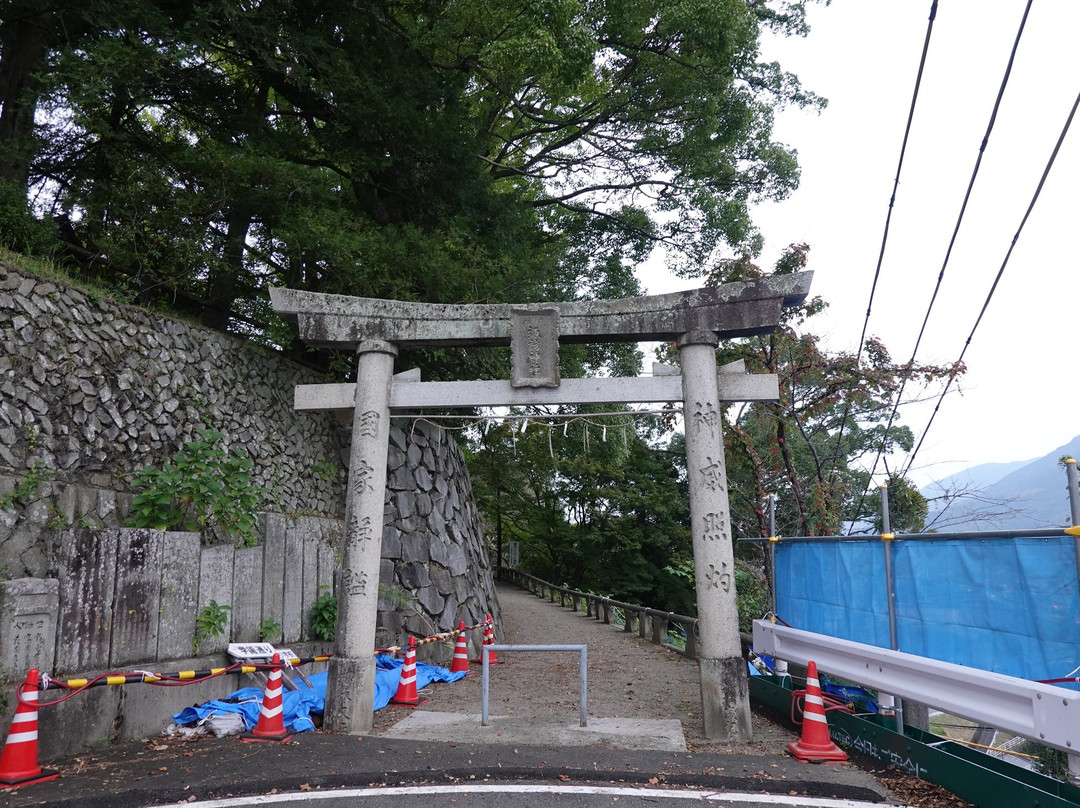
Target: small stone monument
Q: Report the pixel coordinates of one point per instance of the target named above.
(28, 609)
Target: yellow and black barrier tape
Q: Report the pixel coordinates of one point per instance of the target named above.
(177, 677)
(446, 635)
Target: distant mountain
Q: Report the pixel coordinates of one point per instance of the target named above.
(1005, 496)
(983, 475)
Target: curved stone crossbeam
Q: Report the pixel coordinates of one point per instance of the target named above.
(737, 309)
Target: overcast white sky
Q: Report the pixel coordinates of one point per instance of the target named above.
(1021, 396)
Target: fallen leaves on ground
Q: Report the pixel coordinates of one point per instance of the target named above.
(921, 794)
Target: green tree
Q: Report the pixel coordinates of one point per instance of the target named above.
(813, 448)
(444, 151)
(907, 506)
(593, 502)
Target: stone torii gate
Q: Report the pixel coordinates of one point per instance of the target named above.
(697, 320)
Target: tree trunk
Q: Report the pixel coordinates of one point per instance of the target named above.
(223, 282)
(25, 43)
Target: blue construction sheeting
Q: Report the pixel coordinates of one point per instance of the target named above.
(388, 674)
(1011, 606)
(836, 589)
(298, 705)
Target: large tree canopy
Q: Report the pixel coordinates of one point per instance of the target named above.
(191, 154)
(448, 150)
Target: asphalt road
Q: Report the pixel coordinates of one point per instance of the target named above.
(629, 679)
(525, 796)
(318, 766)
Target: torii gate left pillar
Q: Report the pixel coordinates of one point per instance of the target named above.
(350, 692)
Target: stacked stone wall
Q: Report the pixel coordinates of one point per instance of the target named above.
(92, 390)
(432, 546)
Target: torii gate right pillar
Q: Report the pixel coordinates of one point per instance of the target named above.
(725, 697)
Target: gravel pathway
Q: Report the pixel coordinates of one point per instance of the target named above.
(628, 677)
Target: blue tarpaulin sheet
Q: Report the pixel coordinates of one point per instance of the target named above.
(388, 673)
(299, 705)
(1008, 605)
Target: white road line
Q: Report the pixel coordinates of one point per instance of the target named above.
(515, 788)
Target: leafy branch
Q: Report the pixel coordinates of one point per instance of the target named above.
(203, 486)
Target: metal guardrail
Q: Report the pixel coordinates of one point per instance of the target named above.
(968, 773)
(650, 623)
(1044, 713)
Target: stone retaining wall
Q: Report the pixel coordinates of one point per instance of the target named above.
(432, 544)
(92, 390)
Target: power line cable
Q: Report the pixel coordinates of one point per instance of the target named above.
(948, 253)
(896, 181)
(971, 185)
(997, 278)
(885, 235)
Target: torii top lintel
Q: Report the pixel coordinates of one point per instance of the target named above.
(736, 309)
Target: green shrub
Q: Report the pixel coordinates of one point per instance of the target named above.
(20, 230)
(203, 486)
(269, 630)
(324, 616)
(210, 623)
(324, 611)
(752, 595)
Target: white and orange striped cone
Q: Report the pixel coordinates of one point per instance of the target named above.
(815, 745)
(271, 723)
(18, 761)
(461, 652)
(406, 694)
(489, 639)
(489, 634)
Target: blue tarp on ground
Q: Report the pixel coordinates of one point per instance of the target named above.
(388, 673)
(1008, 605)
(299, 705)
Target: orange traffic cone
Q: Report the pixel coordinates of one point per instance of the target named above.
(489, 639)
(461, 652)
(406, 689)
(18, 762)
(815, 745)
(271, 724)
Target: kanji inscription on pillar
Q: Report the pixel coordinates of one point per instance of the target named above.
(359, 529)
(354, 581)
(706, 416)
(367, 424)
(718, 577)
(715, 526)
(361, 477)
(712, 475)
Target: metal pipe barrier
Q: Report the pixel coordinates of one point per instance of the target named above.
(890, 594)
(1030, 533)
(583, 675)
